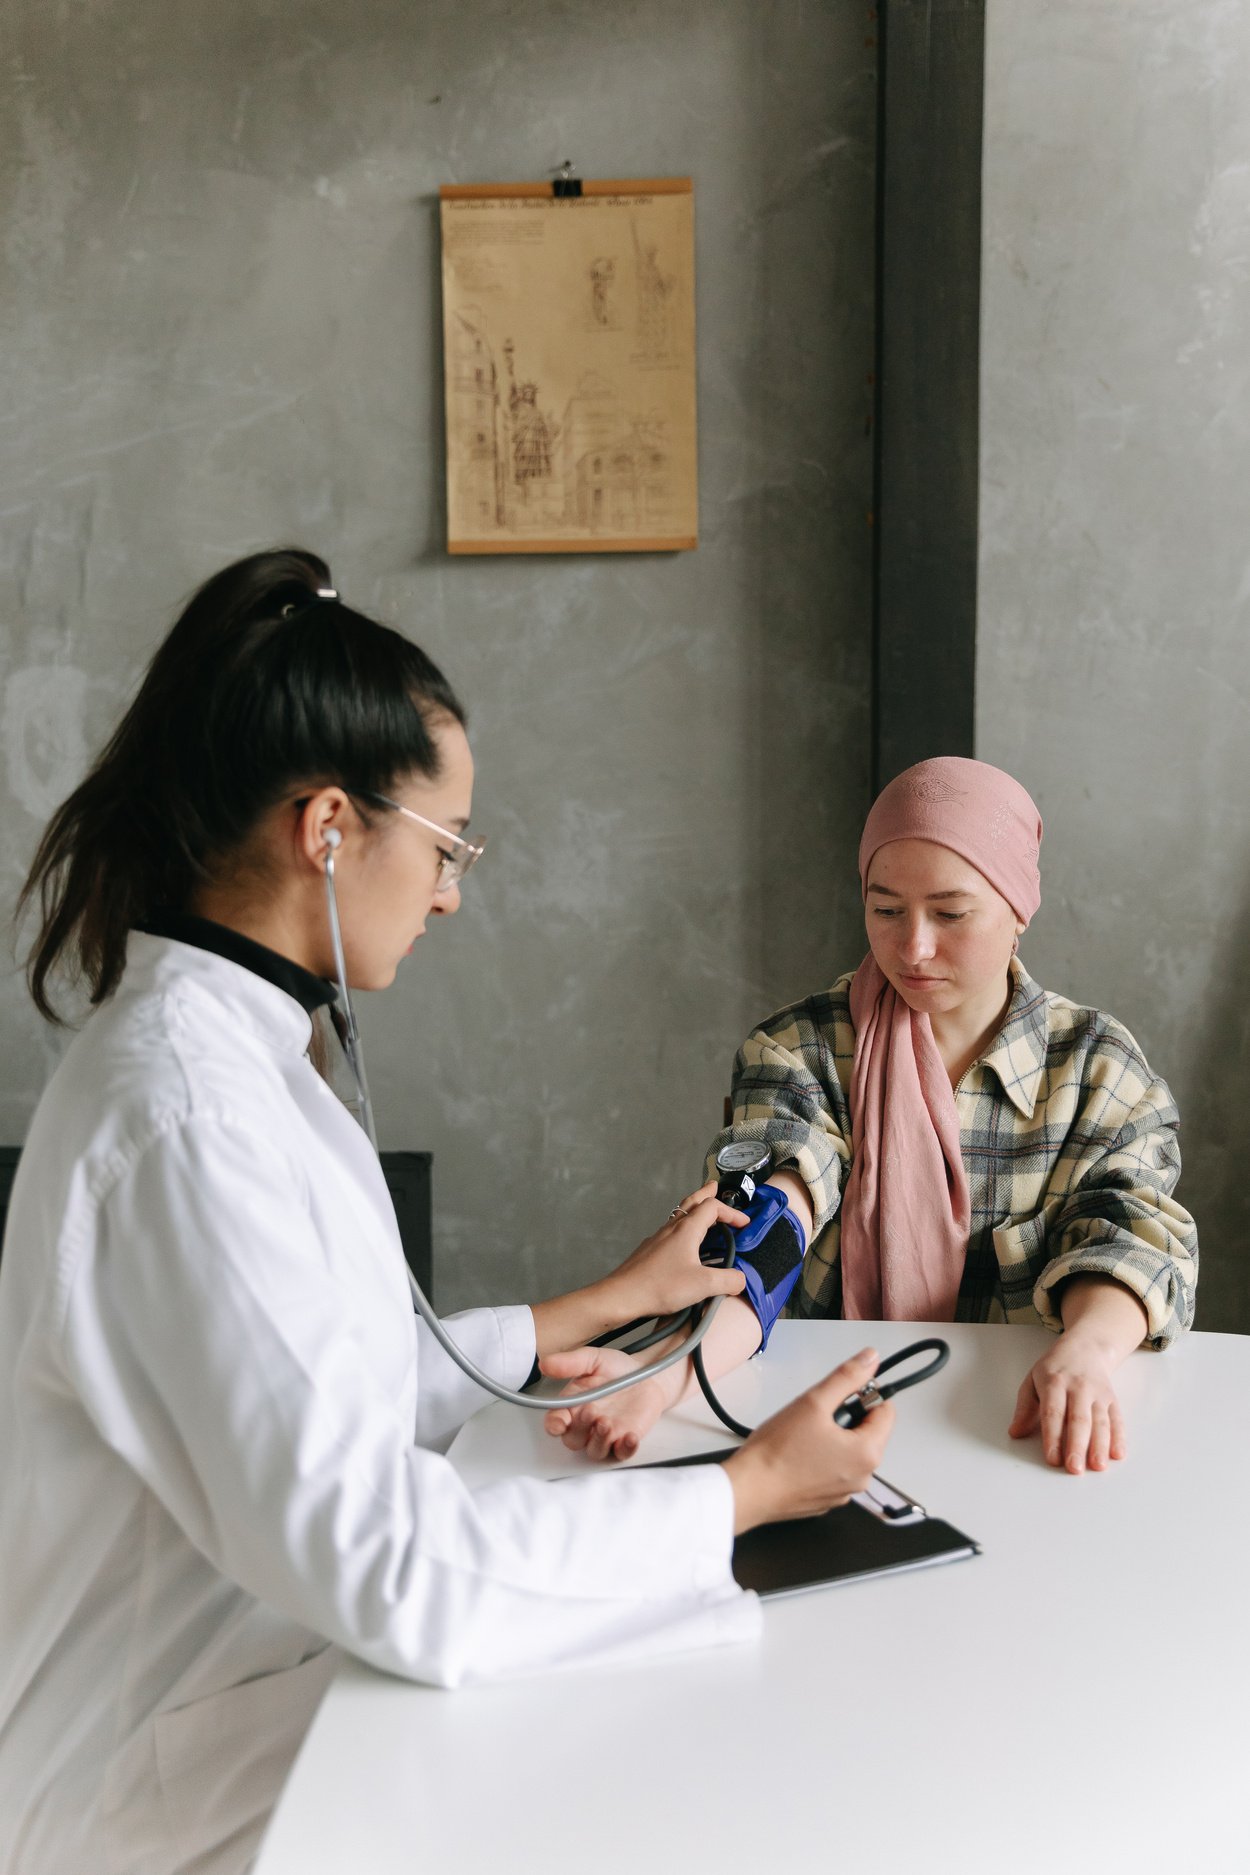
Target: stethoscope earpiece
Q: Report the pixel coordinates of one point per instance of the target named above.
(333, 838)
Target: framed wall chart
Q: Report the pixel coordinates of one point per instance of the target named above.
(569, 366)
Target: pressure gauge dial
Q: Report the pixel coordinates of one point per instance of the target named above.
(742, 1155)
(739, 1167)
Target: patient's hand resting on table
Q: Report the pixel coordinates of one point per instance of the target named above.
(1067, 1395)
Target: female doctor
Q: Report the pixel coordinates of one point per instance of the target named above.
(221, 1424)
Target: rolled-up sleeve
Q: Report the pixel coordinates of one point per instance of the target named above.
(786, 1095)
(1119, 1218)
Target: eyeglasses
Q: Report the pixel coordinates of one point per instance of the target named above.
(455, 859)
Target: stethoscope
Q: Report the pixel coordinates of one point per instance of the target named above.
(700, 1318)
(736, 1184)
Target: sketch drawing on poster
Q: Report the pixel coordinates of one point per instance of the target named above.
(599, 468)
(603, 309)
(655, 293)
(569, 376)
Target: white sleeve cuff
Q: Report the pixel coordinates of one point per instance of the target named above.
(499, 1341)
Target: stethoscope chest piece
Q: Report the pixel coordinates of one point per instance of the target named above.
(854, 1411)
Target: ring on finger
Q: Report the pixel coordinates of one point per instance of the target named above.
(677, 1212)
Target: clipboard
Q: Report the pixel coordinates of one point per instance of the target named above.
(881, 1531)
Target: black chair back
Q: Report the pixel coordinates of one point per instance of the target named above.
(9, 1156)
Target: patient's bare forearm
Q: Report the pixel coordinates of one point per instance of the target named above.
(1100, 1310)
(732, 1339)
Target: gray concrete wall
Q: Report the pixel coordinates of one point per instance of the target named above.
(1113, 655)
(219, 329)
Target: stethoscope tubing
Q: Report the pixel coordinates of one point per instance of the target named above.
(852, 1412)
(354, 1051)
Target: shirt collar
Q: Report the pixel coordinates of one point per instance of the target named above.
(309, 991)
(1017, 1054)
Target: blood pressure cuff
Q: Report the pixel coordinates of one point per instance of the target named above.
(769, 1252)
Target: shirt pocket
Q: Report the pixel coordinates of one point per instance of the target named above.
(1021, 1252)
(222, 1761)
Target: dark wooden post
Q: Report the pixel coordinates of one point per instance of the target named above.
(928, 316)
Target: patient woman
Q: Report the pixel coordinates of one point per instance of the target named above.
(957, 1143)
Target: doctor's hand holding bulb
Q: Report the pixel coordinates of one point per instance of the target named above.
(662, 1277)
(222, 1425)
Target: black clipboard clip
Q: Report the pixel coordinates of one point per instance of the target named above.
(887, 1503)
(566, 184)
(854, 1411)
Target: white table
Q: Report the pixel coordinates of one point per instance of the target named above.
(1076, 1699)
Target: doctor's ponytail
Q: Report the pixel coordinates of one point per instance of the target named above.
(266, 682)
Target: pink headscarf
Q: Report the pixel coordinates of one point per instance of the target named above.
(906, 1212)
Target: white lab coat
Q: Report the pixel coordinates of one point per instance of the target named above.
(220, 1428)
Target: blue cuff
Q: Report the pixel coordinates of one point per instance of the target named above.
(769, 1252)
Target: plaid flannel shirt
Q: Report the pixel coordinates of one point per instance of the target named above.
(1069, 1144)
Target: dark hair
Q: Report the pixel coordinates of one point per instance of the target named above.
(260, 687)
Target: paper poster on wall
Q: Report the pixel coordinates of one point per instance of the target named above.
(569, 367)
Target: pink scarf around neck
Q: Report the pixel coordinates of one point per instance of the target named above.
(906, 1212)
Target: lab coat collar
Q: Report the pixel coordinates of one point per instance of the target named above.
(167, 966)
(310, 992)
